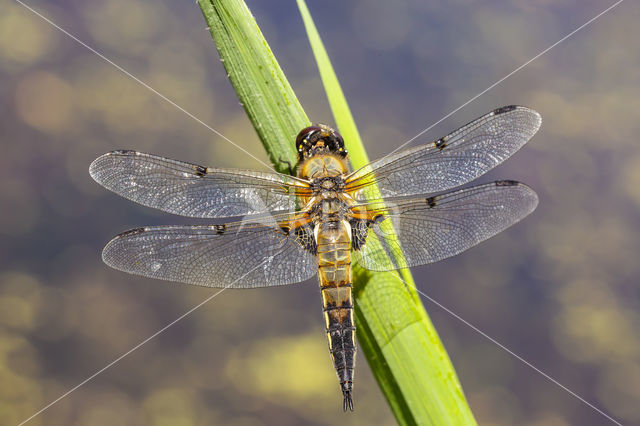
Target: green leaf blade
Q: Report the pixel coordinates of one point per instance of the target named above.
(256, 76)
(341, 111)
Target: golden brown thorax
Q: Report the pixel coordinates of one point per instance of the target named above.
(322, 165)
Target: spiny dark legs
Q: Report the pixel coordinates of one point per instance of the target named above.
(346, 391)
(292, 169)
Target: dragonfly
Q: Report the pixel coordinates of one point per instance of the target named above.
(397, 212)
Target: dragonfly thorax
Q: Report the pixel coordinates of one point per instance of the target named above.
(320, 167)
(329, 207)
(327, 185)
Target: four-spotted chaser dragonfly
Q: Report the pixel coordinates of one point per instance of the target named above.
(323, 219)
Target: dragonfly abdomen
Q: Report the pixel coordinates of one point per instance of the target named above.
(334, 256)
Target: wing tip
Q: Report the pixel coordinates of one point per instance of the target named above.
(509, 108)
(107, 250)
(96, 165)
(534, 199)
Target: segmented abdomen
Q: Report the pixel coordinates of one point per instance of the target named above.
(334, 255)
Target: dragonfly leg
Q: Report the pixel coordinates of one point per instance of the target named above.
(292, 169)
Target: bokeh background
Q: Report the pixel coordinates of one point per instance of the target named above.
(561, 289)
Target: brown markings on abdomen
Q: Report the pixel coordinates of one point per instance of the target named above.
(334, 257)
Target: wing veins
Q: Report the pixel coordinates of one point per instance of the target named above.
(464, 155)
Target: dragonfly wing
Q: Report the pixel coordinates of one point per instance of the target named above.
(192, 190)
(243, 254)
(452, 161)
(434, 228)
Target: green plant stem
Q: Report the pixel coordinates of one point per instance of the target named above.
(394, 331)
(256, 76)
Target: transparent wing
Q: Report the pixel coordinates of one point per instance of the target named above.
(191, 190)
(452, 161)
(434, 228)
(236, 255)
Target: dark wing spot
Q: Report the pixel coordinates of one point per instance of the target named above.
(440, 144)
(507, 183)
(504, 109)
(431, 202)
(200, 170)
(220, 229)
(124, 152)
(131, 232)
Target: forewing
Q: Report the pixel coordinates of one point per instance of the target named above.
(192, 190)
(434, 228)
(236, 255)
(454, 160)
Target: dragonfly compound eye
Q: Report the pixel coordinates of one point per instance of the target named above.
(319, 139)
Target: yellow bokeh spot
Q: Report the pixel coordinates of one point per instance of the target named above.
(619, 390)
(289, 370)
(107, 408)
(45, 101)
(18, 364)
(585, 334)
(23, 37)
(170, 407)
(121, 104)
(548, 419)
(19, 301)
(124, 26)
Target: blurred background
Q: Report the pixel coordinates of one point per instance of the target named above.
(560, 288)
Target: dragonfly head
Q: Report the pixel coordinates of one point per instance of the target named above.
(319, 139)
